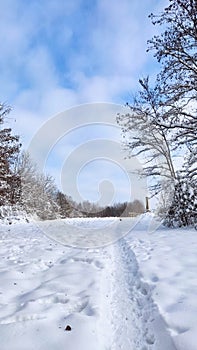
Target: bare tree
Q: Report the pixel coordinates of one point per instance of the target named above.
(144, 135)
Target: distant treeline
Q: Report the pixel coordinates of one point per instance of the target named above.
(69, 208)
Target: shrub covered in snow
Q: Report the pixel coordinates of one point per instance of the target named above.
(11, 214)
(183, 209)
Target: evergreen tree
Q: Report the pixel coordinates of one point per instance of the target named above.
(10, 185)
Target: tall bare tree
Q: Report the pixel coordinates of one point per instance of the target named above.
(144, 135)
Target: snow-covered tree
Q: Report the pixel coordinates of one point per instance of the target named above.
(176, 50)
(9, 151)
(183, 209)
(170, 108)
(38, 191)
(144, 136)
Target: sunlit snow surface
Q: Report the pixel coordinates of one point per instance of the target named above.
(87, 232)
(112, 297)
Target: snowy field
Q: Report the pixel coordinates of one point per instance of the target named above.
(139, 293)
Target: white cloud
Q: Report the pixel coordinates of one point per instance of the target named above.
(56, 55)
(103, 60)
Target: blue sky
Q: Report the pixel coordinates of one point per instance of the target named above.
(57, 54)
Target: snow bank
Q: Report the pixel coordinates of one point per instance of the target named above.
(110, 297)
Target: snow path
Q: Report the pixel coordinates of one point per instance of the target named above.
(134, 318)
(98, 292)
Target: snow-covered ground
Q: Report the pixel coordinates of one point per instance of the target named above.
(136, 294)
